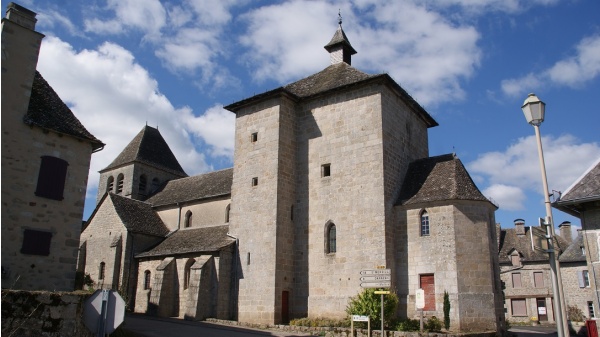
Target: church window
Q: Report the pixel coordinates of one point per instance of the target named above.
(331, 239)
(147, 279)
(120, 183)
(110, 184)
(254, 181)
(142, 185)
(155, 183)
(101, 271)
(36, 242)
(518, 307)
(254, 137)
(292, 212)
(248, 259)
(227, 211)
(51, 178)
(188, 219)
(325, 170)
(424, 223)
(187, 273)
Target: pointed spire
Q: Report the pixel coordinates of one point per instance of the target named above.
(339, 48)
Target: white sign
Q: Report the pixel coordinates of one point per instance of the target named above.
(376, 272)
(541, 311)
(376, 278)
(420, 299)
(359, 318)
(376, 284)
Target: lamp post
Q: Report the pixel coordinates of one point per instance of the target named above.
(534, 111)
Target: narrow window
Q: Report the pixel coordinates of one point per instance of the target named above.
(155, 183)
(583, 277)
(110, 184)
(254, 137)
(36, 242)
(188, 219)
(427, 283)
(331, 239)
(101, 271)
(538, 279)
(292, 212)
(254, 181)
(518, 307)
(424, 223)
(187, 273)
(248, 259)
(142, 185)
(120, 183)
(227, 211)
(516, 280)
(326, 170)
(590, 306)
(51, 178)
(147, 280)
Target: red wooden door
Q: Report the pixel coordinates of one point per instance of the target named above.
(427, 283)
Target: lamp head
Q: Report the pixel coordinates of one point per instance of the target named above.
(534, 110)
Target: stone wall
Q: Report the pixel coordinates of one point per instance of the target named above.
(40, 313)
(204, 213)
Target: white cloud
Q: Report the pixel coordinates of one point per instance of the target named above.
(573, 71)
(480, 6)
(216, 127)
(114, 97)
(518, 166)
(148, 16)
(509, 198)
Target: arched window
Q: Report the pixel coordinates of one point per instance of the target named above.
(424, 223)
(188, 219)
(110, 184)
(120, 183)
(101, 271)
(142, 185)
(331, 242)
(187, 273)
(155, 183)
(147, 280)
(227, 210)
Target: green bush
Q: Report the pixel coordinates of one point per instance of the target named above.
(368, 303)
(320, 322)
(433, 324)
(446, 310)
(575, 314)
(408, 325)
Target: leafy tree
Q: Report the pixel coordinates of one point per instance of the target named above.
(446, 310)
(433, 324)
(367, 303)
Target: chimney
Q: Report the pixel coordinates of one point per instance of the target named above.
(21, 15)
(520, 226)
(565, 231)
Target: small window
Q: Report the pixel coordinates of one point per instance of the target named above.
(187, 273)
(515, 259)
(518, 307)
(143, 184)
(101, 271)
(227, 211)
(516, 280)
(147, 279)
(424, 223)
(36, 242)
(591, 312)
(155, 183)
(110, 184)
(583, 277)
(120, 183)
(51, 178)
(326, 170)
(538, 279)
(248, 259)
(188, 219)
(292, 212)
(254, 137)
(331, 245)
(254, 181)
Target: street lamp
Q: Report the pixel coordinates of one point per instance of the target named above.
(534, 111)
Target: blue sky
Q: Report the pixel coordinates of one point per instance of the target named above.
(470, 63)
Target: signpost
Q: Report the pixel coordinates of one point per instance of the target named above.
(420, 304)
(377, 278)
(360, 318)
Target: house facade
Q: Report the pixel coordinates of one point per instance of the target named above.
(46, 156)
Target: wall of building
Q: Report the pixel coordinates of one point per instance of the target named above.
(574, 294)
(204, 213)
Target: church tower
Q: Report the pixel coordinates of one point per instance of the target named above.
(140, 169)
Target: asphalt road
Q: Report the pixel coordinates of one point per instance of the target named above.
(145, 326)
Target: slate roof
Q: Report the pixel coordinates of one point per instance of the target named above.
(340, 38)
(48, 111)
(573, 253)
(203, 186)
(138, 216)
(148, 147)
(192, 240)
(509, 240)
(438, 178)
(585, 189)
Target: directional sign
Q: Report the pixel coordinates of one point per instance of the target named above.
(360, 318)
(376, 278)
(376, 284)
(382, 292)
(376, 272)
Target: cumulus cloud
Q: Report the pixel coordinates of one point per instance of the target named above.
(148, 16)
(573, 71)
(114, 97)
(509, 174)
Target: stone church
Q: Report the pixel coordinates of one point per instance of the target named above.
(331, 175)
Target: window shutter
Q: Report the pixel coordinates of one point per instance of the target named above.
(36, 242)
(51, 178)
(580, 279)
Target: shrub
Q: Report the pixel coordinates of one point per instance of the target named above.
(446, 310)
(368, 303)
(320, 322)
(433, 324)
(575, 314)
(409, 325)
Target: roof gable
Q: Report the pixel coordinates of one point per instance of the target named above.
(138, 216)
(586, 187)
(148, 147)
(48, 111)
(192, 240)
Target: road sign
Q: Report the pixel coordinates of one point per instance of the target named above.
(382, 292)
(376, 272)
(360, 318)
(420, 298)
(376, 284)
(104, 311)
(376, 278)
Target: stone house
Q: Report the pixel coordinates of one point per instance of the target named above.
(576, 278)
(46, 156)
(582, 200)
(331, 176)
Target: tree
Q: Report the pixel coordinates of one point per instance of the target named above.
(367, 303)
(446, 310)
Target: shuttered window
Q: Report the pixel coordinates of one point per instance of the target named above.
(427, 283)
(36, 242)
(538, 279)
(51, 178)
(516, 280)
(518, 307)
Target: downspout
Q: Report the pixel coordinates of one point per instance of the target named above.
(235, 277)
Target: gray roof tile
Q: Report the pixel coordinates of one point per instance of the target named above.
(138, 216)
(192, 240)
(509, 240)
(587, 187)
(48, 111)
(574, 253)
